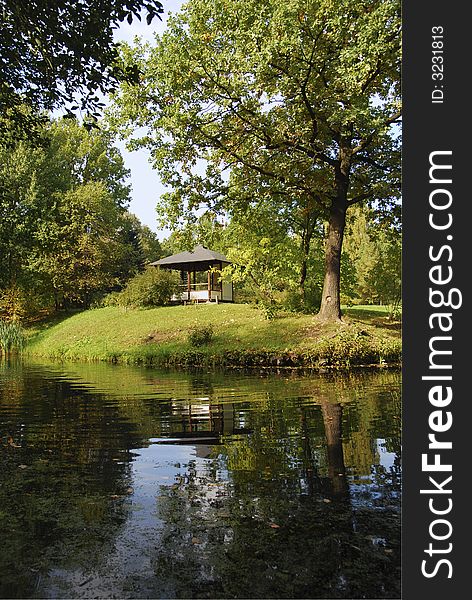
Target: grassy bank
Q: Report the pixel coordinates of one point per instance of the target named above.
(242, 337)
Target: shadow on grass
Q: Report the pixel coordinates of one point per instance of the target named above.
(377, 317)
(47, 320)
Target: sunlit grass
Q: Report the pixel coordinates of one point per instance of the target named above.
(161, 335)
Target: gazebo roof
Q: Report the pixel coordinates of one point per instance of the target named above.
(199, 256)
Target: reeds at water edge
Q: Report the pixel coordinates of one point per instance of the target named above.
(11, 337)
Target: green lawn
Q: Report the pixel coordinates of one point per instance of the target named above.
(367, 310)
(160, 335)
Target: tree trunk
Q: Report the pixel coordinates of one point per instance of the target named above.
(303, 272)
(332, 418)
(330, 309)
(306, 241)
(307, 236)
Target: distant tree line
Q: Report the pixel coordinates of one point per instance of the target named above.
(66, 237)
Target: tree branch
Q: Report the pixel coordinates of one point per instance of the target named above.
(370, 138)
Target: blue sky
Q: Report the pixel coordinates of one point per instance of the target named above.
(145, 182)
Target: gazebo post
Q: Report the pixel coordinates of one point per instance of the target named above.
(188, 286)
(209, 284)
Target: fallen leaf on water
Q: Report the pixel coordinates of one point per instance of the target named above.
(129, 490)
(22, 466)
(327, 500)
(195, 540)
(275, 526)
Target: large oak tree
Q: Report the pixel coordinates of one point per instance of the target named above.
(297, 96)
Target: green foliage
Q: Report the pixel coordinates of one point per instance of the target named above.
(12, 304)
(85, 253)
(385, 277)
(22, 303)
(268, 261)
(264, 258)
(11, 336)
(65, 234)
(201, 335)
(205, 230)
(111, 299)
(356, 347)
(307, 301)
(153, 287)
(57, 54)
(373, 255)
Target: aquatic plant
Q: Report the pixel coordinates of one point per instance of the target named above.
(11, 336)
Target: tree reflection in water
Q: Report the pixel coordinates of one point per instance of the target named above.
(198, 485)
(273, 517)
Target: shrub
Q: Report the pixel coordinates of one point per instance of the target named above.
(294, 301)
(12, 304)
(154, 287)
(11, 336)
(200, 335)
(111, 299)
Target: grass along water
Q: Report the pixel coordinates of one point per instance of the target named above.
(241, 337)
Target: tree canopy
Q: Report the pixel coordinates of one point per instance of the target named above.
(291, 104)
(65, 234)
(61, 53)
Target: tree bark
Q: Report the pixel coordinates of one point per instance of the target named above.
(330, 309)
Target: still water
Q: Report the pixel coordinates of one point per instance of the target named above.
(123, 482)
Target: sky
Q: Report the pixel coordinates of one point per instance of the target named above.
(146, 187)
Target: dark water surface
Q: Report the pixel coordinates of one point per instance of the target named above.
(123, 482)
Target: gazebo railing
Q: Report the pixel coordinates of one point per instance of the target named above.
(194, 286)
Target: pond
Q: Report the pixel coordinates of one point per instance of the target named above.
(127, 482)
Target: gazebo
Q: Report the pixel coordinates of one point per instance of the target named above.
(199, 278)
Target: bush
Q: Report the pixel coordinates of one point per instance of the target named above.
(294, 301)
(154, 287)
(12, 304)
(200, 335)
(111, 299)
(25, 301)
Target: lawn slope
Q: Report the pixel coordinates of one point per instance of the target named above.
(242, 337)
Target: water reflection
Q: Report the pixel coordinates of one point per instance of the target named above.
(138, 483)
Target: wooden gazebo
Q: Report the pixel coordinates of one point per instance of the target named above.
(200, 280)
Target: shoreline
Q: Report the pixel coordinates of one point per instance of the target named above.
(242, 339)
